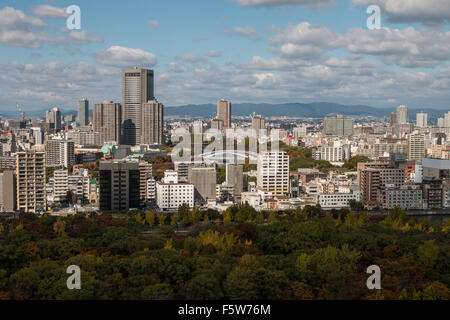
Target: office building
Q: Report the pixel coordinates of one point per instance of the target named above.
(7, 191)
(235, 178)
(60, 153)
(447, 120)
(338, 126)
(224, 112)
(31, 181)
(433, 192)
(416, 146)
(332, 153)
(422, 120)
(38, 135)
(152, 123)
(137, 89)
(217, 124)
(402, 115)
(107, 121)
(406, 197)
(392, 119)
(85, 138)
(204, 180)
(258, 124)
(54, 118)
(171, 194)
(273, 173)
(119, 186)
(338, 200)
(83, 112)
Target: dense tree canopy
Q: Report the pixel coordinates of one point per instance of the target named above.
(242, 254)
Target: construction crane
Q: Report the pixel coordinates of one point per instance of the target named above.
(21, 112)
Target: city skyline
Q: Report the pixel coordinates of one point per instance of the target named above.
(287, 53)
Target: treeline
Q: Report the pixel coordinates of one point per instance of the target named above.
(242, 254)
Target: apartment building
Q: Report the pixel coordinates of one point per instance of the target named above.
(31, 181)
(273, 173)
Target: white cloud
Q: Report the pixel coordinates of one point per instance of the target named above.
(46, 11)
(12, 19)
(406, 47)
(247, 32)
(308, 34)
(37, 86)
(82, 37)
(426, 11)
(20, 30)
(276, 3)
(122, 57)
(178, 68)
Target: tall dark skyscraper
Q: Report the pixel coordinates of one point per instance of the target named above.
(119, 186)
(83, 112)
(137, 89)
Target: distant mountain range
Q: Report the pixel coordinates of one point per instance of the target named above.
(300, 110)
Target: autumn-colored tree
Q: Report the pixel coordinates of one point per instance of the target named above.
(150, 218)
(161, 218)
(59, 227)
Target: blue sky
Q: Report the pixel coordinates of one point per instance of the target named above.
(242, 50)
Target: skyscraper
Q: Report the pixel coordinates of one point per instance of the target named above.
(152, 123)
(31, 180)
(83, 112)
(258, 124)
(137, 89)
(402, 114)
(54, 117)
(416, 146)
(107, 120)
(447, 120)
(224, 112)
(422, 120)
(392, 119)
(273, 173)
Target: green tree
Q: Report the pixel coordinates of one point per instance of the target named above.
(428, 253)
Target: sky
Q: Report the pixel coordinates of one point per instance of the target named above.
(258, 51)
